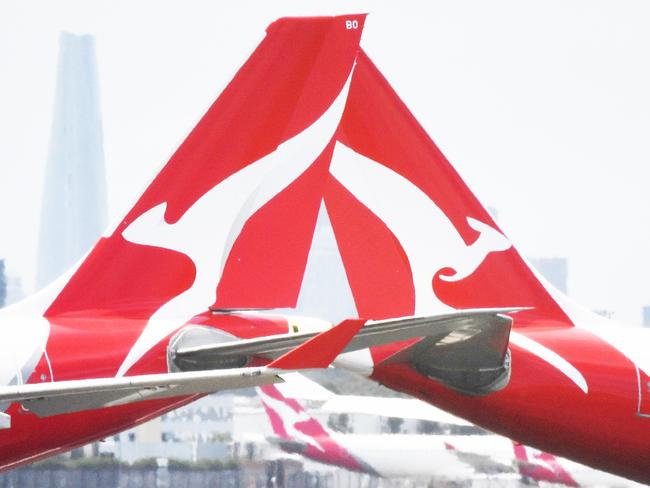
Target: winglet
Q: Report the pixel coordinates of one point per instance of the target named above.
(320, 351)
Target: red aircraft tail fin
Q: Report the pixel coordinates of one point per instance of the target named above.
(298, 431)
(541, 466)
(267, 137)
(403, 216)
(248, 176)
(307, 127)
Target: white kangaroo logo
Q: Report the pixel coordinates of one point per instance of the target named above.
(208, 230)
(430, 240)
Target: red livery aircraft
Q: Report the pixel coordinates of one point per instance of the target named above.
(160, 310)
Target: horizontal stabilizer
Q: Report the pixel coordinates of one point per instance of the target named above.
(470, 355)
(403, 408)
(298, 387)
(374, 333)
(57, 397)
(292, 446)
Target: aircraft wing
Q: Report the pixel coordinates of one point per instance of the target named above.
(405, 408)
(297, 386)
(455, 326)
(481, 463)
(57, 397)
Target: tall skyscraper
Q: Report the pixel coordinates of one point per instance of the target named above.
(3, 284)
(15, 290)
(646, 316)
(73, 214)
(555, 270)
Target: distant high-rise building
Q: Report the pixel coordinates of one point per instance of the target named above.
(555, 270)
(3, 284)
(494, 213)
(11, 289)
(646, 316)
(603, 312)
(15, 290)
(74, 201)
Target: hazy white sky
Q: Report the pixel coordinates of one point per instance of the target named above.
(543, 107)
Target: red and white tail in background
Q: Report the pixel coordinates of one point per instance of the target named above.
(541, 466)
(437, 456)
(297, 431)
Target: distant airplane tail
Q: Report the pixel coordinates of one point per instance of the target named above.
(541, 466)
(296, 431)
